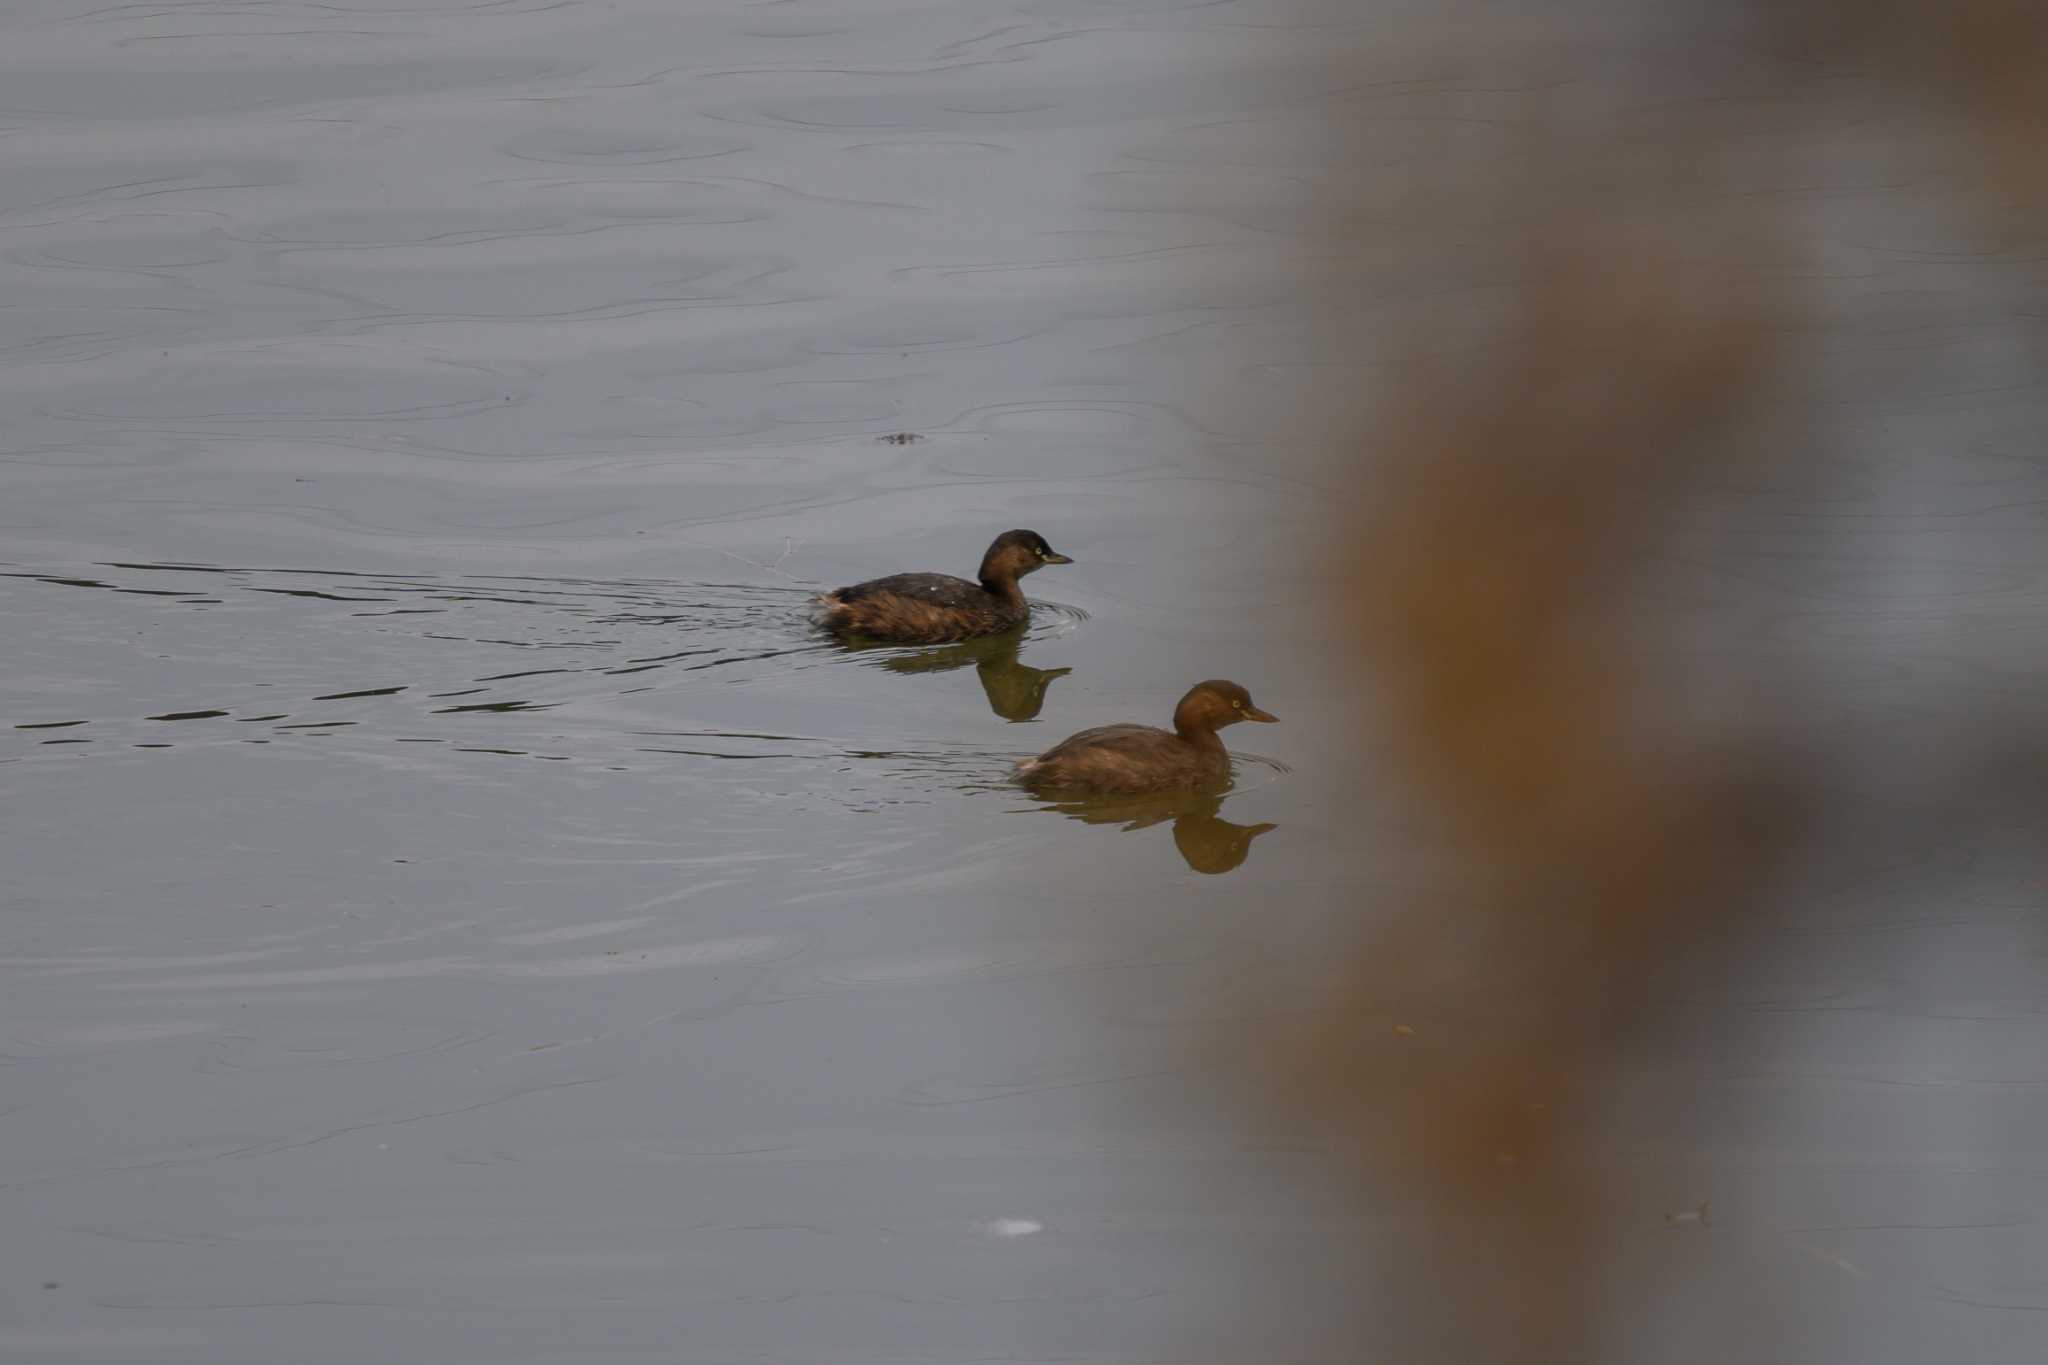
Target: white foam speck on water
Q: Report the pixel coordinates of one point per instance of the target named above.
(1012, 1227)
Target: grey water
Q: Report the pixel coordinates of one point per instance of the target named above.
(457, 909)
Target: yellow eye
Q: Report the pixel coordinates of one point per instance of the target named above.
(1237, 706)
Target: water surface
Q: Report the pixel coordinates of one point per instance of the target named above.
(457, 908)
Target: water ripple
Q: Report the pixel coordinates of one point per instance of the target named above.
(439, 677)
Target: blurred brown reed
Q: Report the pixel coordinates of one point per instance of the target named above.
(1506, 503)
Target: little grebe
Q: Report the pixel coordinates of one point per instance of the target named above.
(932, 608)
(1140, 758)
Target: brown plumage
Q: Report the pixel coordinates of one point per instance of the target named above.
(1143, 758)
(933, 608)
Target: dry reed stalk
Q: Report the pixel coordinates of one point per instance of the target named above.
(1511, 504)
(1514, 506)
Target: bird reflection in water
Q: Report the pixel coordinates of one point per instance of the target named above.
(1016, 690)
(1207, 842)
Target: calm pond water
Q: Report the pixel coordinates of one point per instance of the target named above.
(459, 911)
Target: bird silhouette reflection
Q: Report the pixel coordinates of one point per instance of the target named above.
(1015, 690)
(1207, 842)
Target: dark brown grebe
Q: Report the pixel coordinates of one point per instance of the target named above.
(1141, 758)
(932, 608)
